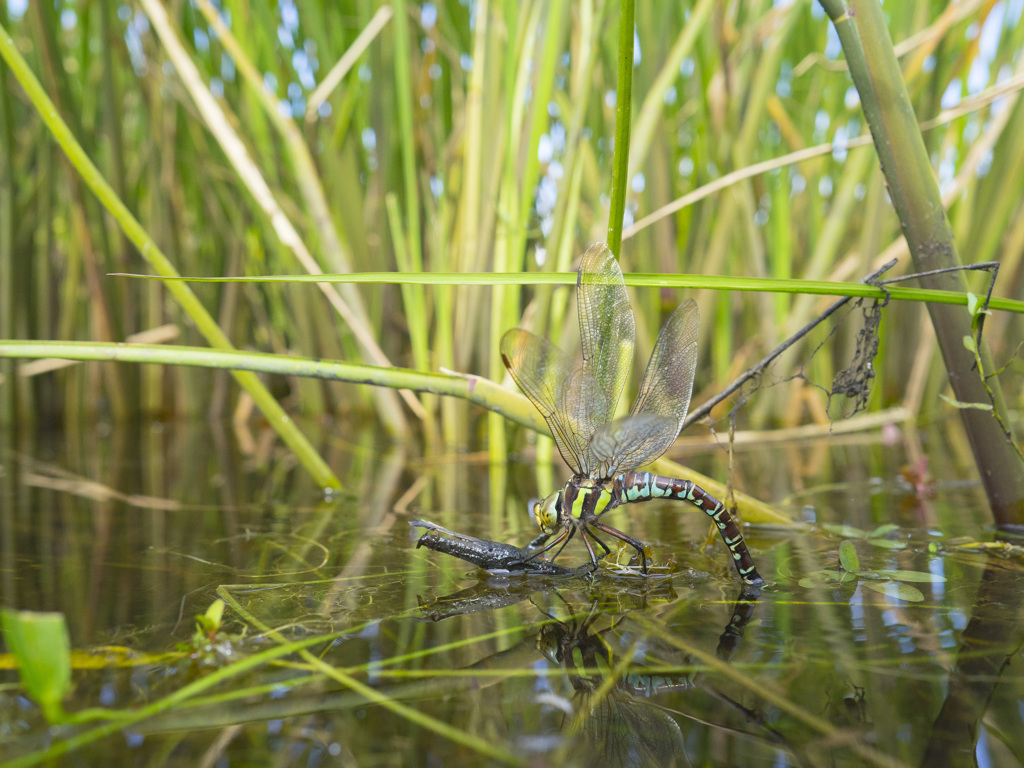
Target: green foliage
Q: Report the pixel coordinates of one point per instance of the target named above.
(878, 537)
(494, 142)
(210, 646)
(848, 558)
(42, 650)
(978, 312)
(889, 582)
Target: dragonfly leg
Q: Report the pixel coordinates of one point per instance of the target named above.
(563, 538)
(587, 536)
(626, 538)
(603, 546)
(539, 541)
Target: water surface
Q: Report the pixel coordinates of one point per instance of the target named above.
(916, 660)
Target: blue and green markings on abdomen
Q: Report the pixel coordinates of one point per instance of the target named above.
(633, 487)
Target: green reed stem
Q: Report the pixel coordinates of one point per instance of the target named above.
(623, 114)
(636, 279)
(150, 251)
(472, 388)
(7, 385)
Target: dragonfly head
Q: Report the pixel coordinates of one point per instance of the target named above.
(547, 512)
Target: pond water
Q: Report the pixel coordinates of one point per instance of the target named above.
(412, 657)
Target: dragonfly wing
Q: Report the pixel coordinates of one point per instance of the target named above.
(607, 332)
(668, 381)
(654, 422)
(559, 389)
(631, 442)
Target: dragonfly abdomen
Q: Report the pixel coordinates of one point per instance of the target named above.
(634, 487)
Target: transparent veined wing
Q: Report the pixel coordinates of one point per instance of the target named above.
(607, 333)
(661, 406)
(630, 442)
(559, 389)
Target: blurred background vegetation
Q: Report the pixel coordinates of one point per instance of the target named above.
(477, 137)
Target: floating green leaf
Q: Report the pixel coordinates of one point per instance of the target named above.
(210, 622)
(919, 576)
(848, 558)
(887, 543)
(896, 589)
(847, 531)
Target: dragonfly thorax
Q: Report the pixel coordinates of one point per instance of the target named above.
(581, 498)
(584, 498)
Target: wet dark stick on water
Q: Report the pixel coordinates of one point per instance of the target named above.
(487, 554)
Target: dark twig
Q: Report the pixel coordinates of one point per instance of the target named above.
(761, 365)
(872, 279)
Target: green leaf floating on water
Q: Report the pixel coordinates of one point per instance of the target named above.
(896, 589)
(822, 578)
(875, 537)
(846, 531)
(42, 650)
(919, 576)
(848, 558)
(887, 543)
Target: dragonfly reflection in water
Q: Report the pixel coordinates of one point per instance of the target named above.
(614, 720)
(577, 400)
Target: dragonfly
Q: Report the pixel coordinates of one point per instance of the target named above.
(577, 398)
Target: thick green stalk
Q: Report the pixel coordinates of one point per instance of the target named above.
(915, 195)
(508, 246)
(406, 230)
(7, 402)
(477, 390)
(149, 250)
(634, 279)
(623, 113)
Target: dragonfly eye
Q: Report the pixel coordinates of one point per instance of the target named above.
(546, 512)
